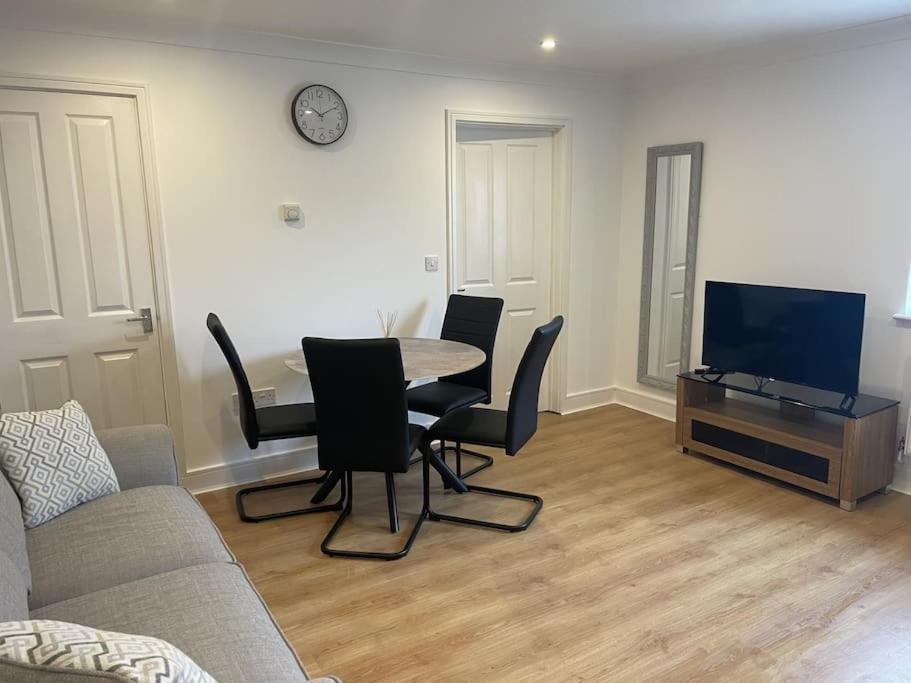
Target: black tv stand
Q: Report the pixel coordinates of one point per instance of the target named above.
(836, 445)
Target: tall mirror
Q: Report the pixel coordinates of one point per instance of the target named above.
(672, 185)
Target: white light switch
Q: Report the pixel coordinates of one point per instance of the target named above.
(291, 213)
(431, 263)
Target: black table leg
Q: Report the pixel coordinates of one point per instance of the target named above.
(450, 478)
(323, 492)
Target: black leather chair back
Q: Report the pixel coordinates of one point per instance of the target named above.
(248, 424)
(473, 320)
(361, 411)
(522, 415)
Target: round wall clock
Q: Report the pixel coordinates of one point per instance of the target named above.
(319, 114)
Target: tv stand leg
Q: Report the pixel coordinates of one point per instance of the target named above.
(680, 448)
(847, 505)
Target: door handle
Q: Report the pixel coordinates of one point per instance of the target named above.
(460, 289)
(145, 317)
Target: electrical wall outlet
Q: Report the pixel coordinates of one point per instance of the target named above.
(261, 399)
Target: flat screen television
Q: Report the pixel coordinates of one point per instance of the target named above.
(804, 336)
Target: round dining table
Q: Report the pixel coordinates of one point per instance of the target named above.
(423, 358)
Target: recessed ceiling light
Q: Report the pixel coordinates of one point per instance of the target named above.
(548, 44)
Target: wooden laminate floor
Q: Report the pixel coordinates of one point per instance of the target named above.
(644, 564)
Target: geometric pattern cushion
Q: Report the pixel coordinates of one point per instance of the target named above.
(60, 647)
(54, 461)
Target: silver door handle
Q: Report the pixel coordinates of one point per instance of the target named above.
(145, 317)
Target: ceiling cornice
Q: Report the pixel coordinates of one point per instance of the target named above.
(759, 56)
(270, 45)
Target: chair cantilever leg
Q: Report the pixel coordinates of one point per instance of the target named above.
(486, 461)
(242, 493)
(391, 503)
(537, 502)
(347, 490)
(512, 528)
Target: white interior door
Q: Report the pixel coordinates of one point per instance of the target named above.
(75, 259)
(502, 235)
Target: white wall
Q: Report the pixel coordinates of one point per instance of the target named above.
(805, 183)
(374, 204)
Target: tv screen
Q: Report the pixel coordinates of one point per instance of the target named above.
(804, 336)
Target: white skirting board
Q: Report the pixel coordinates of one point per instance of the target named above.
(649, 402)
(588, 399)
(256, 469)
(643, 401)
(902, 480)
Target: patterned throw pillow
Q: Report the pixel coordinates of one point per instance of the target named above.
(58, 647)
(54, 461)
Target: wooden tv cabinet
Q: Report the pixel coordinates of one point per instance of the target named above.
(801, 436)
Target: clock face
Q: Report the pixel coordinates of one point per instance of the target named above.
(319, 114)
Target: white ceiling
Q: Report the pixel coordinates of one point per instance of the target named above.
(594, 35)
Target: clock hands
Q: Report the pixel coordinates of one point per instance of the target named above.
(321, 114)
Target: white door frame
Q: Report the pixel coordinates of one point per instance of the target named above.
(562, 180)
(140, 94)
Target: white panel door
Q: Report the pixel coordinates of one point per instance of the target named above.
(502, 237)
(75, 259)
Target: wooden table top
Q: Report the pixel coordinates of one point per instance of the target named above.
(424, 358)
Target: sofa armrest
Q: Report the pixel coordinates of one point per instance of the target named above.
(141, 456)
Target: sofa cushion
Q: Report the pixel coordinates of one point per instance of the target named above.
(211, 612)
(13, 593)
(54, 461)
(12, 531)
(142, 455)
(120, 538)
(43, 646)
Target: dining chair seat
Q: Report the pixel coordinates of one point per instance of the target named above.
(478, 426)
(440, 398)
(286, 421)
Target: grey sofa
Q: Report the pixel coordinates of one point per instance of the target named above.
(147, 560)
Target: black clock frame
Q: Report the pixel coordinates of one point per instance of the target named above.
(294, 114)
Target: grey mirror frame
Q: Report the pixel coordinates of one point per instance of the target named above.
(694, 149)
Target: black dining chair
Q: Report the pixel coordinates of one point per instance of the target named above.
(289, 421)
(362, 425)
(472, 320)
(509, 430)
